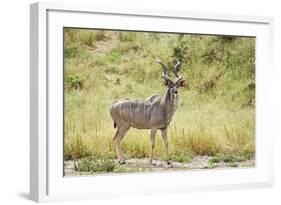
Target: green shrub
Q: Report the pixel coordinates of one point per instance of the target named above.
(74, 82)
(88, 165)
(127, 36)
(214, 160)
(227, 158)
(88, 38)
(99, 35)
(72, 51)
(112, 57)
(181, 157)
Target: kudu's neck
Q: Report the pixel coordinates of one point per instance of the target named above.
(170, 104)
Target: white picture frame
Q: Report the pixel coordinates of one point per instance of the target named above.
(46, 137)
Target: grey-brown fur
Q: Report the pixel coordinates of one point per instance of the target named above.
(154, 113)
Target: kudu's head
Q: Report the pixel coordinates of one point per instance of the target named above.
(173, 86)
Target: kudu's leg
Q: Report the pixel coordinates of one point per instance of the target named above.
(121, 132)
(165, 140)
(152, 143)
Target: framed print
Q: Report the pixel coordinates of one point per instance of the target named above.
(147, 101)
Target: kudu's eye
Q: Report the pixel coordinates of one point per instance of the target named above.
(176, 92)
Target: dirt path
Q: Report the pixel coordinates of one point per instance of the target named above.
(142, 165)
(103, 46)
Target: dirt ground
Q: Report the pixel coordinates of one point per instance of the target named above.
(142, 165)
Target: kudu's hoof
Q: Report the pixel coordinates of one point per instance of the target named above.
(152, 163)
(121, 162)
(169, 162)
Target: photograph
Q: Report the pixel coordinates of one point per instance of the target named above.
(147, 101)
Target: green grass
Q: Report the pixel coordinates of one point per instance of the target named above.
(101, 165)
(230, 159)
(181, 157)
(215, 117)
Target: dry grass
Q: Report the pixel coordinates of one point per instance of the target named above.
(195, 130)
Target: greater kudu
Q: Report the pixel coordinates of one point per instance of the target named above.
(154, 113)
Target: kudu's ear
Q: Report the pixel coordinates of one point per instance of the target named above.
(168, 82)
(181, 83)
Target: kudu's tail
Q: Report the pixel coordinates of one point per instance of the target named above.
(112, 117)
